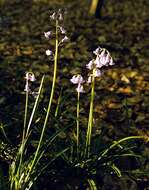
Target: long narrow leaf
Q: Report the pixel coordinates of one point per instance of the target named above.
(116, 143)
(92, 184)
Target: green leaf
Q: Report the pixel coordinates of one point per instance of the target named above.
(116, 170)
(92, 184)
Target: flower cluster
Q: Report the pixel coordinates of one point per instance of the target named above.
(103, 58)
(29, 77)
(78, 79)
(58, 17)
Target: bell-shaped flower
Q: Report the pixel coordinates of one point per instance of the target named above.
(89, 80)
(60, 17)
(49, 52)
(97, 51)
(90, 65)
(77, 79)
(104, 60)
(98, 62)
(80, 88)
(111, 61)
(53, 16)
(97, 73)
(65, 39)
(47, 34)
(30, 76)
(102, 53)
(63, 31)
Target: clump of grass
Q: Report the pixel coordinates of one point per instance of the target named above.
(24, 171)
(82, 156)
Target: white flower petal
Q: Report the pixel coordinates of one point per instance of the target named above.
(65, 39)
(80, 88)
(49, 52)
(77, 79)
(90, 65)
(97, 51)
(98, 62)
(47, 34)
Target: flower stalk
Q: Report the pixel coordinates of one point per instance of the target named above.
(35, 160)
(78, 110)
(90, 118)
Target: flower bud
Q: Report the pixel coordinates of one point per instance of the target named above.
(49, 52)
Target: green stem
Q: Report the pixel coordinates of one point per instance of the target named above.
(78, 110)
(25, 115)
(24, 130)
(34, 109)
(90, 120)
(49, 105)
(58, 103)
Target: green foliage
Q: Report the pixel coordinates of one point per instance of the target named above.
(121, 101)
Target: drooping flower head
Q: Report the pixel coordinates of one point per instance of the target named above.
(48, 34)
(97, 51)
(53, 16)
(103, 58)
(78, 79)
(30, 76)
(65, 39)
(49, 52)
(80, 88)
(57, 15)
(90, 65)
(59, 33)
(62, 30)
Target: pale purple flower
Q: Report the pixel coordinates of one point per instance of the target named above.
(111, 61)
(89, 80)
(77, 79)
(53, 16)
(65, 39)
(47, 34)
(98, 62)
(90, 65)
(97, 73)
(102, 53)
(104, 60)
(30, 76)
(60, 16)
(97, 51)
(80, 88)
(63, 31)
(49, 52)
